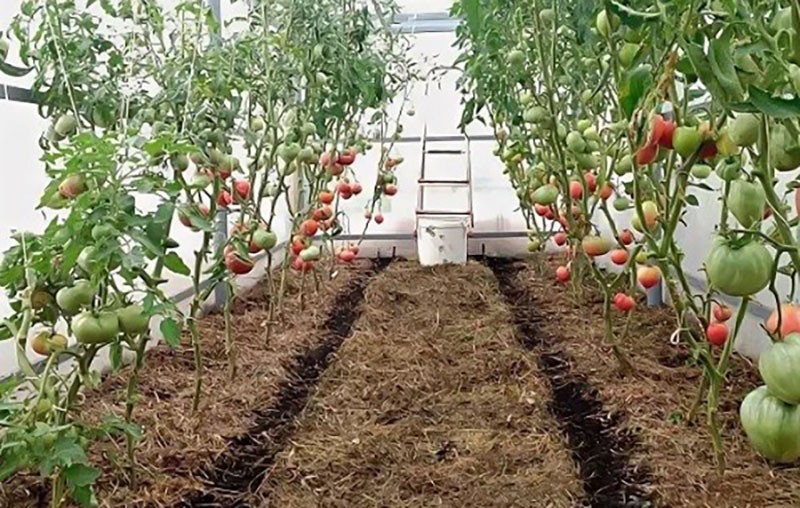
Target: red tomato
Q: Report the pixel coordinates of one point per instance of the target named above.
(623, 302)
(356, 188)
(646, 155)
(297, 247)
(562, 274)
(326, 197)
(717, 333)
(237, 264)
(648, 276)
(575, 189)
(541, 210)
(619, 256)
(347, 157)
(378, 218)
(626, 237)
(309, 227)
(344, 187)
(347, 256)
(560, 238)
(335, 169)
(708, 150)
(722, 313)
(790, 320)
(389, 189)
(224, 199)
(591, 181)
(241, 190)
(302, 266)
(669, 133)
(325, 159)
(549, 215)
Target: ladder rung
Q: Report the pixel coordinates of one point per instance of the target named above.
(441, 212)
(443, 182)
(445, 152)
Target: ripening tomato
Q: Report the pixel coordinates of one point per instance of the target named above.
(595, 246)
(325, 159)
(347, 157)
(302, 266)
(560, 238)
(646, 155)
(326, 197)
(241, 190)
(335, 169)
(238, 264)
(619, 256)
(378, 218)
(390, 189)
(347, 256)
(606, 191)
(648, 276)
(356, 188)
(298, 246)
(575, 190)
(626, 237)
(562, 274)
(789, 318)
(309, 227)
(390, 163)
(541, 210)
(717, 333)
(722, 313)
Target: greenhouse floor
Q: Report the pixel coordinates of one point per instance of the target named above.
(486, 385)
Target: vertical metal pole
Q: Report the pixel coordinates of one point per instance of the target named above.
(216, 9)
(655, 297)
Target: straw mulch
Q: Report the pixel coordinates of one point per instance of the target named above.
(432, 402)
(177, 445)
(656, 400)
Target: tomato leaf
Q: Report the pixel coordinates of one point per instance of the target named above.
(635, 85)
(84, 496)
(629, 16)
(171, 331)
(174, 263)
(719, 56)
(80, 475)
(775, 107)
(115, 356)
(703, 70)
(11, 70)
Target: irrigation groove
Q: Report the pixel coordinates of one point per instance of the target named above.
(240, 470)
(600, 447)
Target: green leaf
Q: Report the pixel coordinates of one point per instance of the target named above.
(775, 107)
(80, 475)
(629, 16)
(174, 263)
(11, 461)
(85, 497)
(472, 11)
(115, 355)
(719, 55)
(171, 331)
(11, 70)
(702, 67)
(635, 85)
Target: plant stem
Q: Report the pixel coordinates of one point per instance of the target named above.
(130, 402)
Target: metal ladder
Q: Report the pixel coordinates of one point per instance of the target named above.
(425, 182)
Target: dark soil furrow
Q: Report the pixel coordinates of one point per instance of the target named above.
(240, 470)
(601, 447)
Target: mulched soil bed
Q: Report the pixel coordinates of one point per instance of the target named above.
(432, 402)
(179, 449)
(652, 404)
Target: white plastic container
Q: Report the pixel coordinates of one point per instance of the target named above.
(442, 240)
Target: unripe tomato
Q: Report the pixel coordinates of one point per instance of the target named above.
(687, 140)
(133, 320)
(717, 333)
(562, 274)
(95, 328)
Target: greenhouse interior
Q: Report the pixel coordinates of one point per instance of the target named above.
(400, 253)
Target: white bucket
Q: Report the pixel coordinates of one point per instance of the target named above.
(442, 240)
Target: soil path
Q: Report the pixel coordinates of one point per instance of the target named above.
(430, 403)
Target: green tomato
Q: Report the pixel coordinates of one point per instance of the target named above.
(545, 195)
(605, 23)
(746, 201)
(536, 114)
(744, 129)
(586, 161)
(257, 124)
(180, 162)
(687, 140)
(310, 253)
(784, 152)
(3, 50)
(216, 156)
(101, 231)
(729, 169)
(582, 125)
(627, 54)
(622, 204)
(307, 155)
(264, 240)
(624, 165)
(133, 320)
(548, 16)
(591, 134)
(87, 259)
(772, 426)
(95, 328)
(289, 152)
(516, 57)
(525, 98)
(534, 244)
(701, 171)
(72, 299)
(66, 125)
(738, 270)
(779, 367)
(561, 132)
(575, 142)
